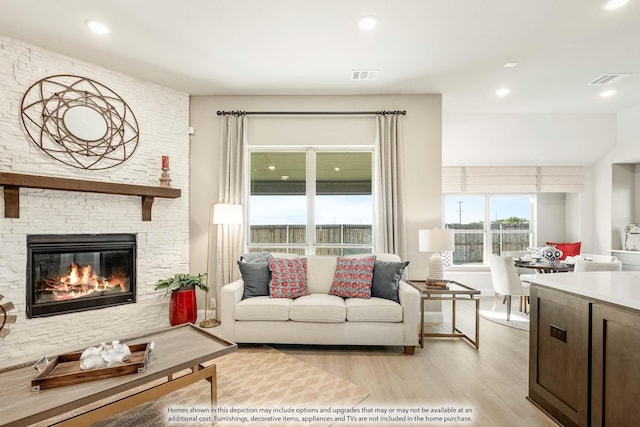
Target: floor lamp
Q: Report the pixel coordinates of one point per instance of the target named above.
(436, 241)
(219, 214)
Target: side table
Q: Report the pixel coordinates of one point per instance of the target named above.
(455, 292)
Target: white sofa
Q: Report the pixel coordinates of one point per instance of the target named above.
(321, 318)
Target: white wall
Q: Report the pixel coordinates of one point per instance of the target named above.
(526, 139)
(551, 210)
(572, 217)
(624, 199)
(627, 150)
(162, 244)
(422, 142)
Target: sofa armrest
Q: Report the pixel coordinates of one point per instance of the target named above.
(410, 301)
(230, 295)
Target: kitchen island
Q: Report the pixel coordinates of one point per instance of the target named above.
(584, 350)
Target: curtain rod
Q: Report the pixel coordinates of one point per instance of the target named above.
(311, 113)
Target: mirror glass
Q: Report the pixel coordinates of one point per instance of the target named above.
(85, 123)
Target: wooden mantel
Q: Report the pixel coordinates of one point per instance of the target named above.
(13, 181)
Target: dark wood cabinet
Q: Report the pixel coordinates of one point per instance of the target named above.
(558, 355)
(584, 359)
(615, 369)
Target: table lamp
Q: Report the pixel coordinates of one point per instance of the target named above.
(436, 241)
(219, 214)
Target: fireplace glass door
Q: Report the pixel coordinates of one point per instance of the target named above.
(68, 273)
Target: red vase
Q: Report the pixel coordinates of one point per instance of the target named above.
(182, 307)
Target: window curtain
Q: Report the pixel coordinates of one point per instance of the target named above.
(390, 166)
(229, 238)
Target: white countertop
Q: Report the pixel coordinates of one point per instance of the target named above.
(616, 287)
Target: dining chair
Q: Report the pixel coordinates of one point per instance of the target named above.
(518, 255)
(506, 282)
(582, 264)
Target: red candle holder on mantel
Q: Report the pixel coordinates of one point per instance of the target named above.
(165, 180)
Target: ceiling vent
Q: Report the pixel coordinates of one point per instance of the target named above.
(608, 79)
(364, 74)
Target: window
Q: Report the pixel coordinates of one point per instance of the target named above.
(509, 219)
(311, 201)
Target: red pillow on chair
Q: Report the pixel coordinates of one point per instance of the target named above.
(568, 249)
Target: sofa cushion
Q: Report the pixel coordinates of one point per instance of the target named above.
(256, 276)
(373, 310)
(386, 279)
(567, 249)
(321, 308)
(352, 277)
(288, 277)
(320, 270)
(262, 308)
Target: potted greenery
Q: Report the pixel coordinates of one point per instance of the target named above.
(182, 288)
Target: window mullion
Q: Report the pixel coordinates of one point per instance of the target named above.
(311, 198)
(488, 238)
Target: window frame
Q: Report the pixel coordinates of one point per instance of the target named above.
(310, 245)
(486, 231)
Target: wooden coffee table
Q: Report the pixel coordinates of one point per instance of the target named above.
(455, 292)
(178, 360)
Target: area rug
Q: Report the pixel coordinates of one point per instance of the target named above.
(249, 379)
(518, 319)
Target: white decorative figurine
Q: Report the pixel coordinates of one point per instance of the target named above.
(105, 355)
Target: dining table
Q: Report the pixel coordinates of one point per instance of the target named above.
(543, 266)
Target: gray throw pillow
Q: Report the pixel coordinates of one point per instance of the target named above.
(256, 276)
(386, 279)
(256, 257)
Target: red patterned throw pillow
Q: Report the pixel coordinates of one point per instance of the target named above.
(353, 277)
(288, 277)
(568, 249)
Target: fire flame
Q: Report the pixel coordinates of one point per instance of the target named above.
(82, 281)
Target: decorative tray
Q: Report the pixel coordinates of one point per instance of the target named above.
(65, 369)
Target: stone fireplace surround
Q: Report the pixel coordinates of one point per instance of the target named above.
(162, 244)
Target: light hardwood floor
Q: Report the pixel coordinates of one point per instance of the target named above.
(493, 380)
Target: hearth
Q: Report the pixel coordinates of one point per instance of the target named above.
(78, 272)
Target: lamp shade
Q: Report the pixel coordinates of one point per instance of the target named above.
(224, 213)
(436, 240)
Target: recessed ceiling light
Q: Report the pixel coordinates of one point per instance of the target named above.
(503, 91)
(607, 93)
(614, 4)
(98, 27)
(368, 23)
(336, 169)
(284, 177)
(510, 64)
(271, 167)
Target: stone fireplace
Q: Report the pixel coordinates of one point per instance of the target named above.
(77, 272)
(161, 243)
